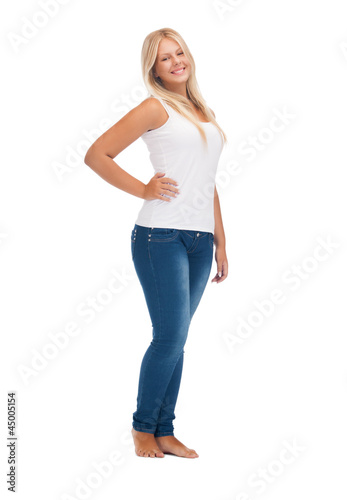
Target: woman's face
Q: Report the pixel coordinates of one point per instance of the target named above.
(171, 58)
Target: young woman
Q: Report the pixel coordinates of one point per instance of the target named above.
(180, 220)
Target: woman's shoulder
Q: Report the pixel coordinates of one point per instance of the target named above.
(157, 109)
(152, 102)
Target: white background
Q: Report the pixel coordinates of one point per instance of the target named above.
(63, 237)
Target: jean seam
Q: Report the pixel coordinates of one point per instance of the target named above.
(160, 315)
(156, 288)
(193, 247)
(185, 232)
(144, 371)
(133, 241)
(211, 239)
(164, 238)
(143, 430)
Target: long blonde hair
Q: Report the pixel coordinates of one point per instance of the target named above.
(176, 101)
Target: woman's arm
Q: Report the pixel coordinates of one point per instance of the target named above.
(219, 235)
(219, 240)
(149, 114)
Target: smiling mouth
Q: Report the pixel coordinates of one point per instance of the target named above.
(178, 72)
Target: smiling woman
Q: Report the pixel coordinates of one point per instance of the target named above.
(164, 60)
(173, 238)
(168, 69)
(178, 71)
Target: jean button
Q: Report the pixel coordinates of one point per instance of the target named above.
(197, 234)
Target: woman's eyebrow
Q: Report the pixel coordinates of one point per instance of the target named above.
(167, 53)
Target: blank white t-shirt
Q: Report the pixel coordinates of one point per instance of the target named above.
(177, 149)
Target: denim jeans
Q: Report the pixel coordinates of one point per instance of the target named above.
(173, 267)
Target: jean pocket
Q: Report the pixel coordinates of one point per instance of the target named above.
(133, 241)
(211, 239)
(162, 234)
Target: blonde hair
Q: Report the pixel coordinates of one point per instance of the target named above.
(155, 87)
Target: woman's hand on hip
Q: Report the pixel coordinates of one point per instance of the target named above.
(159, 186)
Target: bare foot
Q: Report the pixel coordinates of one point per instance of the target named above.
(145, 444)
(171, 445)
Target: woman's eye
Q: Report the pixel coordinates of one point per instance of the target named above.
(178, 54)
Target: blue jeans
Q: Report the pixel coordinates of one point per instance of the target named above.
(173, 266)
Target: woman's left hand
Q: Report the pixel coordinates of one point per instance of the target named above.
(222, 264)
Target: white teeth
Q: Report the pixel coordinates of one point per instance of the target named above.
(178, 71)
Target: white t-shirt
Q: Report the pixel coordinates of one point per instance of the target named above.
(177, 149)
